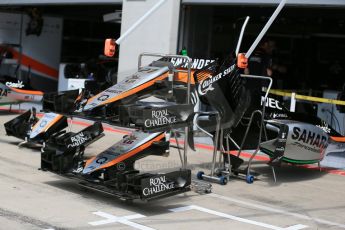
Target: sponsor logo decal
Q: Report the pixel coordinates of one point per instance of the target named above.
(45, 120)
(324, 127)
(159, 118)
(271, 103)
(78, 170)
(207, 84)
(279, 115)
(280, 144)
(196, 63)
(135, 77)
(130, 81)
(101, 160)
(113, 91)
(103, 97)
(91, 167)
(93, 104)
(310, 138)
(308, 148)
(158, 185)
(43, 123)
(144, 70)
(280, 149)
(18, 84)
(129, 140)
(78, 140)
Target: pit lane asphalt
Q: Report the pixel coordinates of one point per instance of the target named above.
(33, 199)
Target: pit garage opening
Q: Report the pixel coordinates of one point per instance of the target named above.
(42, 37)
(308, 35)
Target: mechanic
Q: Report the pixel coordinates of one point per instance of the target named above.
(260, 64)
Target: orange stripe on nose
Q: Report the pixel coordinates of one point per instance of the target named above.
(127, 155)
(131, 91)
(23, 91)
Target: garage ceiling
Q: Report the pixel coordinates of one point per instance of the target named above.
(58, 2)
(269, 2)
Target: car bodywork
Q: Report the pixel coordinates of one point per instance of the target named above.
(31, 129)
(127, 104)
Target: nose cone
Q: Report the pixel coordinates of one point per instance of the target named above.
(91, 104)
(95, 164)
(98, 100)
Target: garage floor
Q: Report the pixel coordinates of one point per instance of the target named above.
(303, 198)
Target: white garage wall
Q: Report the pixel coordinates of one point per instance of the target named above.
(41, 53)
(159, 33)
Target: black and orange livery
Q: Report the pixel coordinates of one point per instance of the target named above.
(112, 171)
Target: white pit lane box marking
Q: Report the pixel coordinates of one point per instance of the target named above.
(224, 215)
(109, 219)
(271, 209)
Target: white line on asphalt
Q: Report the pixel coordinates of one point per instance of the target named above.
(280, 211)
(123, 220)
(224, 215)
(296, 227)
